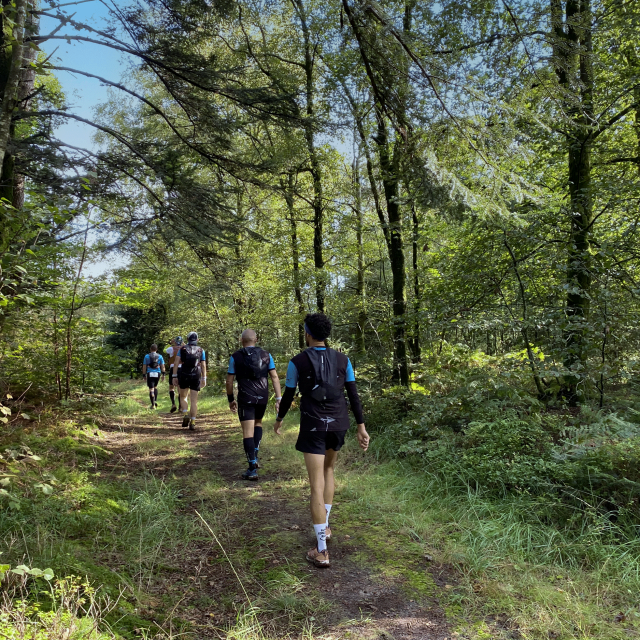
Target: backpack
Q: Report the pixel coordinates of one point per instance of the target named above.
(254, 363)
(153, 361)
(190, 357)
(325, 368)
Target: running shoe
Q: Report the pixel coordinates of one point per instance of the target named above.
(173, 408)
(327, 534)
(250, 474)
(319, 558)
(192, 425)
(185, 421)
(155, 405)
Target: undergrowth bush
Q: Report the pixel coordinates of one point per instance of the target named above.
(69, 609)
(478, 425)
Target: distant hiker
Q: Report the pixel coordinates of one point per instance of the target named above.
(172, 353)
(190, 368)
(322, 374)
(152, 367)
(252, 366)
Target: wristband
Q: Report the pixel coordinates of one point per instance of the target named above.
(230, 397)
(279, 419)
(279, 398)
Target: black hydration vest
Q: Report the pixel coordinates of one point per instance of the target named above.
(325, 369)
(251, 365)
(321, 378)
(190, 357)
(153, 360)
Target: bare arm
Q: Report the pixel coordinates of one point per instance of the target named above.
(203, 373)
(233, 405)
(276, 387)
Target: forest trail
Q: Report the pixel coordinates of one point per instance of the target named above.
(265, 530)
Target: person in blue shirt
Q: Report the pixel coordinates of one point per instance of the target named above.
(190, 369)
(252, 367)
(152, 367)
(322, 375)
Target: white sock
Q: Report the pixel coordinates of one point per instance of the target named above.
(328, 508)
(320, 536)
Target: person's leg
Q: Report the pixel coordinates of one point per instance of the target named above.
(247, 423)
(248, 428)
(248, 442)
(257, 430)
(194, 403)
(155, 395)
(150, 385)
(329, 485)
(257, 433)
(184, 406)
(315, 468)
(172, 391)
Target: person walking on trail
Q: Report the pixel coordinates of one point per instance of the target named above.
(152, 367)
(322, 374)
(172, 353)
(190, 369)
(252, 366)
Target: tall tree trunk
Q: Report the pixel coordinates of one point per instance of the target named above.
(573, 50)
(12, 182)
(295, 254)
(415, 338)
(239, 298)
(634, 67)
(316, 170)
(360, 289)
(390, 170)
(72, 311)
(357, 114)
(11, 87)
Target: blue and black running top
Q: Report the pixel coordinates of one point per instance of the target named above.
(251, 366)
(330, 414)
(147, 361)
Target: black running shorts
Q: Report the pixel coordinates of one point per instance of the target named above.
(320, 441)
(251, 411)
(152, 383)
(189, 382)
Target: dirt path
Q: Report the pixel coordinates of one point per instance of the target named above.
(265, 531)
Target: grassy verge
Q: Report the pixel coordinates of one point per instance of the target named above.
(500, 568)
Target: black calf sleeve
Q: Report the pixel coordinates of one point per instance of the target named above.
(250, 451)
(172, 395)
(155, 393)
(257, 436)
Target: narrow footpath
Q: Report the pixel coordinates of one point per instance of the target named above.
(254, 580)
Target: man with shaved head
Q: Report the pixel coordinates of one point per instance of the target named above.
(252, 366)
